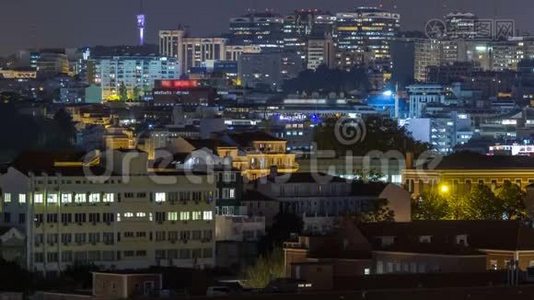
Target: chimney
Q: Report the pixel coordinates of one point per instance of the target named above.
(409, 160)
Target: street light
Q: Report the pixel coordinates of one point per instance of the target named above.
(444, 189)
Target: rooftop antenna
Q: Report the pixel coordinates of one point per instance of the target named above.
(141, 24)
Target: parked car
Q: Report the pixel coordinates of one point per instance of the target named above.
(218, 291)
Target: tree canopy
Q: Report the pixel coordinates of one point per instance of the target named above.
(376, 133)
(266, 268)
(325, 80)
(505, 202)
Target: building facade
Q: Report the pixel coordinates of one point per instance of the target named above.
(130, 219)
(131, 77)
(366, 33)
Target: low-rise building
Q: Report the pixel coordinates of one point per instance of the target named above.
(460, 171)
(125, 285)
(422, 247)
(318, 194)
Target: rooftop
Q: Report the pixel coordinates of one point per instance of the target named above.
(475, 161)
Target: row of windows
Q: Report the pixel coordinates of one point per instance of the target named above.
(109, 238)
(68, 218)
(184, 235)
(184, 253)
(184, 216)
(68, 181)
(92, 256)
(66, 198)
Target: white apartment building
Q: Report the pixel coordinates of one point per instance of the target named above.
(422, 94)
(129, 219)
(136, 73)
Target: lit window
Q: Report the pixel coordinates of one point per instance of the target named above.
(22, 198)
(52, 198)
(232, 193)
(128, 215)
(140, 214)
(94, 198)
(80, 198)
(118, 217)
(208, 215)
(172, 216)
(184, 216)
(367, 271)
(108, 197)
(38, 198)
(7, 198)
(66, 198)
(196, 215)
(160, 197)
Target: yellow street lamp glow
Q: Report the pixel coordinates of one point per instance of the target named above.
(444, 189)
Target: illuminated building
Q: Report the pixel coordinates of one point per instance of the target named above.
(298, 28)
(191, 52)
(514, 149)
(169, 41)
(136, 73)
(443, 131)
(364, 36)
(18, 74)
(47, 62)
(320, 51)
(233, 52)
(261, 70)
(461, 171)
(189, 93)
(260, 29)
(253, 154)
(127, 220)
(423, 94)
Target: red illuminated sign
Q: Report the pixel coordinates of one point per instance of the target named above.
(179, 84)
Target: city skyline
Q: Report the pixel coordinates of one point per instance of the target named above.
(94, 25)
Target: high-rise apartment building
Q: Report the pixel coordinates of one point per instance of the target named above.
(320, 51)
(191, 52)
(364, 36)
(263, 29)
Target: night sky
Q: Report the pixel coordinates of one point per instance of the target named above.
(75, 23)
